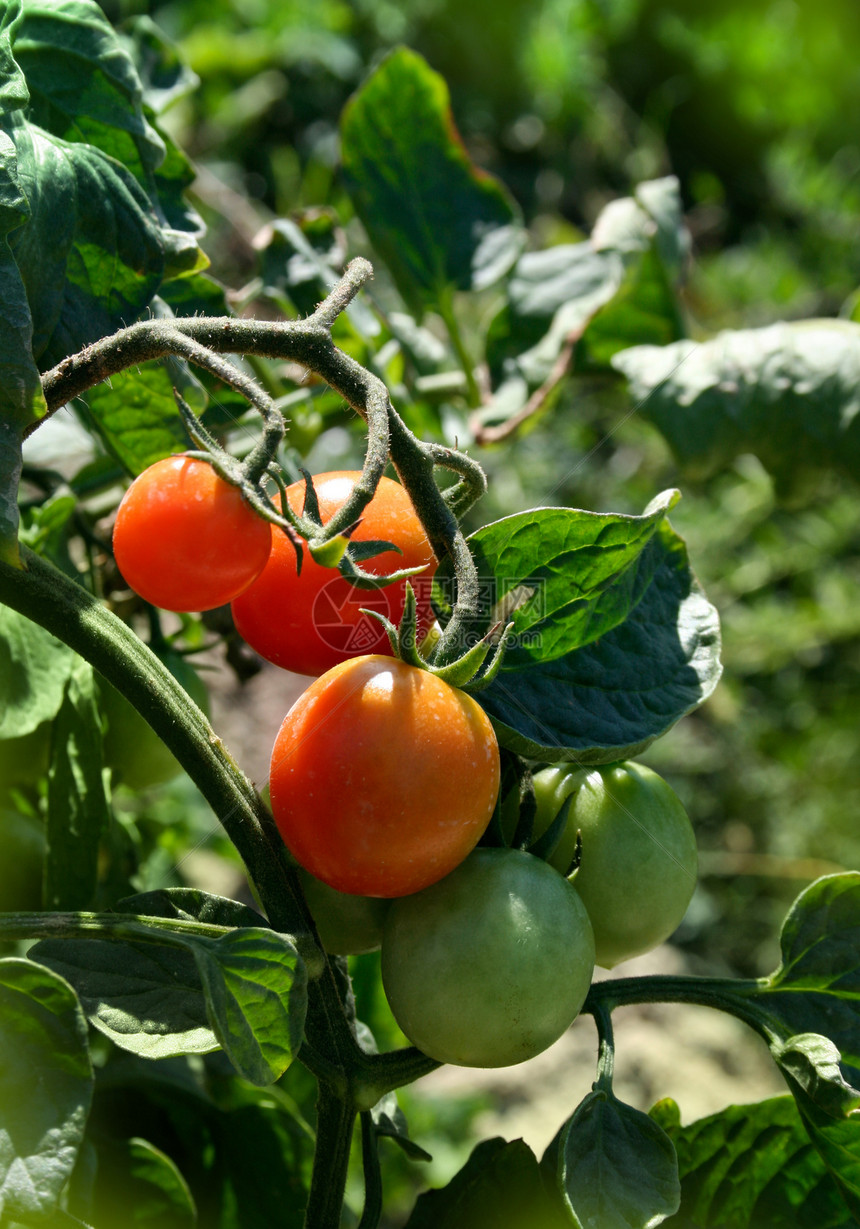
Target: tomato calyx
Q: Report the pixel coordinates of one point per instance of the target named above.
(472, 671)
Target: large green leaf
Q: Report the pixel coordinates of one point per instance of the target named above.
(246, 1152)
(46, 1085)
(751, 1167)
(34, 670)
(611, 699)
(499, 1187)
(600, 296)
(616, 1167)
(437, 221)
(91, 212)
(563, 577)
(817, 985)
(790, 393)
(808, 1012)
(138, 1185)
(78, 808)
(187, 993)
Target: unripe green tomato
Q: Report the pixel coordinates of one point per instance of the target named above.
(639, 860)
(132, 750)
(552, 787)
(347, 925)
(490, 965)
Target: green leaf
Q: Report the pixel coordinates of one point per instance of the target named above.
(84, 89)
(256, 993)
(601, 296)
(817, 984)
(221, 1132)
(146, 998)
(788, 393)
(136, 415)
(78, 807)
(46, 1085)
(140, 1186)
(562, 576)
(437, 221)
(552, 295)
(188, 994)
(34, 671)
(499, 1187)
(611, 699)
(751, 1166)
(164, 76)
(617, 1168)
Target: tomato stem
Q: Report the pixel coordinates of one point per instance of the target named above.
(335, 1121)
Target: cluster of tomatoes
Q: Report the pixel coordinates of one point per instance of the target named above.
(384, 778)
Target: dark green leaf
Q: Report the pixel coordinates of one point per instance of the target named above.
(499, 1187)
(246, 991)
(135, 413)
(788, 393)
(21, 399)
(34, 670)
(751, 1167)
(817, 986)
(146, 998)
(78, 808)
(164, 76)
(84, 89)
(617, 1168)
(563, 577)
(256, 992)
(438, 222)
(246, 1152)
(811, 1064)
(140, 1186)
(613, 698)
(390, 1121)
(45, 1088)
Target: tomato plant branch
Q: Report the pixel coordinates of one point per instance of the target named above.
(133, 928)
(606, 1050)
(733, 995)
(309, 343)
(372, 1210)
(335, 1121)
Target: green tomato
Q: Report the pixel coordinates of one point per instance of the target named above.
(132, 750)
(639, 860)
(490, 965)
(552, 787)
(347, 925)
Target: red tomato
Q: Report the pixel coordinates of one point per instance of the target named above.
(310, 622)
(185, 539)
(383, 777)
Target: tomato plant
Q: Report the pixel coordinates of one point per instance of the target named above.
(383, 777)
(639, 860)
(184, 539)
(565, 636)
(310, 620)
(489, 966)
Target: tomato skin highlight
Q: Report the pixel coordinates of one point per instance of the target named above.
(383, 777)
(309, 622)
(489, 966)
(185, 539)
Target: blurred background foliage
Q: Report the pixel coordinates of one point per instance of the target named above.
(571, 103)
